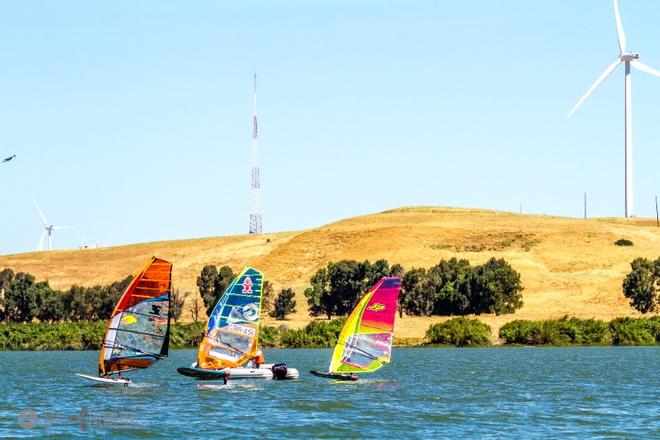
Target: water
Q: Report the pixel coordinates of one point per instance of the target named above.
(609, 392)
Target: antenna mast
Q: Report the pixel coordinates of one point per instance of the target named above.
(255, 184)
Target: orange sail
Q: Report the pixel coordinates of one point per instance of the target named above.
(139, 329)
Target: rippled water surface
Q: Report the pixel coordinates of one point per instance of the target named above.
(430, 392)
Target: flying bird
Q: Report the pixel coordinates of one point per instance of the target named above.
(7, 159)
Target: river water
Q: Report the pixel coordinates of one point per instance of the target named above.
(586, 392)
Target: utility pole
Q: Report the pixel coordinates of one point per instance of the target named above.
(585, 205)
(657, 219)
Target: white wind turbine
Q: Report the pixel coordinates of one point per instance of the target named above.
(629, 59)
(47, 229)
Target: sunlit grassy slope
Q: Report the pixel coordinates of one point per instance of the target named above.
(568, 266)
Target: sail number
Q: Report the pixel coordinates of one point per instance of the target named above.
(241, 330)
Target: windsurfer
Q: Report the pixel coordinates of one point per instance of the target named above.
(259, 359)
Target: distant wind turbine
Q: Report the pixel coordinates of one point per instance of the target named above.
(47, 229)
(628, 59)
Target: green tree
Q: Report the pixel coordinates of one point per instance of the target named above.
(453, 293)
(319, 299)
(223, 280)
(213, 283)
(347, 284)
(641, 284)
(397, 270)
(6, 277)
(206, 285)
(495, 288)
(84, 303)
(418, 293)
(49, 302)
(105, 298)
(19, 302)
(374, 272)
(285, 304)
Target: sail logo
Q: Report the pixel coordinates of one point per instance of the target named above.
(247, 285)
(249, 312)
(376, 307)
(129, 319)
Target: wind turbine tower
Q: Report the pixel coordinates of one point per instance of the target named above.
(255, 184)
(628, 59)
(48, 229)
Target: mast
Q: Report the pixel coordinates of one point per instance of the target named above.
(255, 183)
(628, 142)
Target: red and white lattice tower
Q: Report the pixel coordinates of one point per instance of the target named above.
(255, 184)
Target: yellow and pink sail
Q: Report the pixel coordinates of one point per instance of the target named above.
(232, 334)
(138, 332)
(365, 341)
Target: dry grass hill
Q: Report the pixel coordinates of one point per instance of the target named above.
(568, 266)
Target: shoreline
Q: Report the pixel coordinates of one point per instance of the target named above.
(456, 332)
(403, 347)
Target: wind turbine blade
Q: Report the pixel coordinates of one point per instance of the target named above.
(40, 245)
(644, 68)
(41, 214)
(600, 79)
(57, 228)
(619, 29)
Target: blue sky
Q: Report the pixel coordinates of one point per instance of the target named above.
(132, 120)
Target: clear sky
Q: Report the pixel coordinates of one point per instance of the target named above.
(132, 119)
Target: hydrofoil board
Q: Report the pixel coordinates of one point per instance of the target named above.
(336, 376)
(106, 381)
(201, 374)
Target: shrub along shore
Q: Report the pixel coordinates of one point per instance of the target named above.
(83, 335)
(459, 332)
(463, 332)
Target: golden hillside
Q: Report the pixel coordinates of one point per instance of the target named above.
(568, 266)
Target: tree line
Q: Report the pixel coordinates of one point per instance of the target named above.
(452, 287)
(23, 299)
(642, 285)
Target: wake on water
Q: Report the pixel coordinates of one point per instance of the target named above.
(229, 387)
(143, 385)
(365, 382)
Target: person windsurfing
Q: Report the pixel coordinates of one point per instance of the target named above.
(258, 359)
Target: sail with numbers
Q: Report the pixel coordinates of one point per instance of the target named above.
(232, 333)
